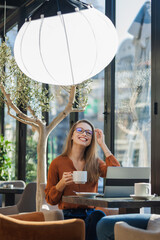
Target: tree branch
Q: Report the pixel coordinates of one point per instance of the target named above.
(39, 122)
(20, 114)
(127, 131)
(64, 113)
(78, 110)
(21, 120)
(31, 111)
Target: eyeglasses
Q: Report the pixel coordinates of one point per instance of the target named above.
(81, 131)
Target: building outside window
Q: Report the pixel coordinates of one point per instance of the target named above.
(133, 83)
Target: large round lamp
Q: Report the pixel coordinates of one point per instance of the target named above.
(72, 45)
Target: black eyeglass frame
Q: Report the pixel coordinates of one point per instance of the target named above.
(89, 133)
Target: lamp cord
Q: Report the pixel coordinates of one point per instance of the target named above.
(58, 6)
(70, 61)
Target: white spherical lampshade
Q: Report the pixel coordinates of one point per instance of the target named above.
(66, 49)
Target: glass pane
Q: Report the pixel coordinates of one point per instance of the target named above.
(133, 83)
(10, 135)
(11, 36)
(31, 154)
(58, 135)
(95, 108)
(9, 122)
(31, 143)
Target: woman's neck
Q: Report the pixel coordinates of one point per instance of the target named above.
(77, 157)
(77, 153)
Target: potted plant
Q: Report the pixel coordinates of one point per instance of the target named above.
(5, 161)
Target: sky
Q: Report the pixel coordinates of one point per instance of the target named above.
(126, 11)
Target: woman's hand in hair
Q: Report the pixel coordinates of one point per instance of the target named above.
(67, 179)
(101, 142)
(99, 136)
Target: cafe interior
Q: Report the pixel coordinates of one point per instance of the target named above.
(110, 77)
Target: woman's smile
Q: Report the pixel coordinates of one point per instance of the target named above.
(83, 139)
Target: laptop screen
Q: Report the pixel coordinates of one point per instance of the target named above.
(120, 180)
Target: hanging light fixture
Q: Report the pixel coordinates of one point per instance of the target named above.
(72, 44)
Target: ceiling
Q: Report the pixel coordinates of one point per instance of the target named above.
(16, 11)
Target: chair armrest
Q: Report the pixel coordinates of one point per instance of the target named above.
(13, 229)
(43, 215)
(124, 231)
(52, 215)
(31, 216)
(47, 206)
(9, 210)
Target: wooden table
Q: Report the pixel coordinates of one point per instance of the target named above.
(125, 205)
(9, 194)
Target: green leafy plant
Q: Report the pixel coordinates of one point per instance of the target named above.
(5, 161)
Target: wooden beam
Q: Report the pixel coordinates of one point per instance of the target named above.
(12, 17)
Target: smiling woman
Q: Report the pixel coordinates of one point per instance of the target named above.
(79, 155)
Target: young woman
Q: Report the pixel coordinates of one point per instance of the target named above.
(79, 154)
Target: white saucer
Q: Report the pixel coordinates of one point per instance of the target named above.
(149, 197)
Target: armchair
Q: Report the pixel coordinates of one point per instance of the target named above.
(33, 226)
(123, 230)
(44, 204)
(27, 202)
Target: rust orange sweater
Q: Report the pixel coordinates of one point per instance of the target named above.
(64, 164)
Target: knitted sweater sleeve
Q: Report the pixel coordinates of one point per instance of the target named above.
(110, 161)
(53, 196)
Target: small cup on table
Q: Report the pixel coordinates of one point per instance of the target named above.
(142, 189)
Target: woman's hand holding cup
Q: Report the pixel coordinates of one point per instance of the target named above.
(67, 178)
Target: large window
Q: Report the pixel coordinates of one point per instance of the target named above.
(132, 115)
(9, 122)
(133, 83)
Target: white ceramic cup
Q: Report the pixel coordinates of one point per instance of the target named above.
(80, 177)
(142, 189)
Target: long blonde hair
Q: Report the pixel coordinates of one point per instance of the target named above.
(90, 154)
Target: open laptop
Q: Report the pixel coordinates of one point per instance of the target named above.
(120, 180)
